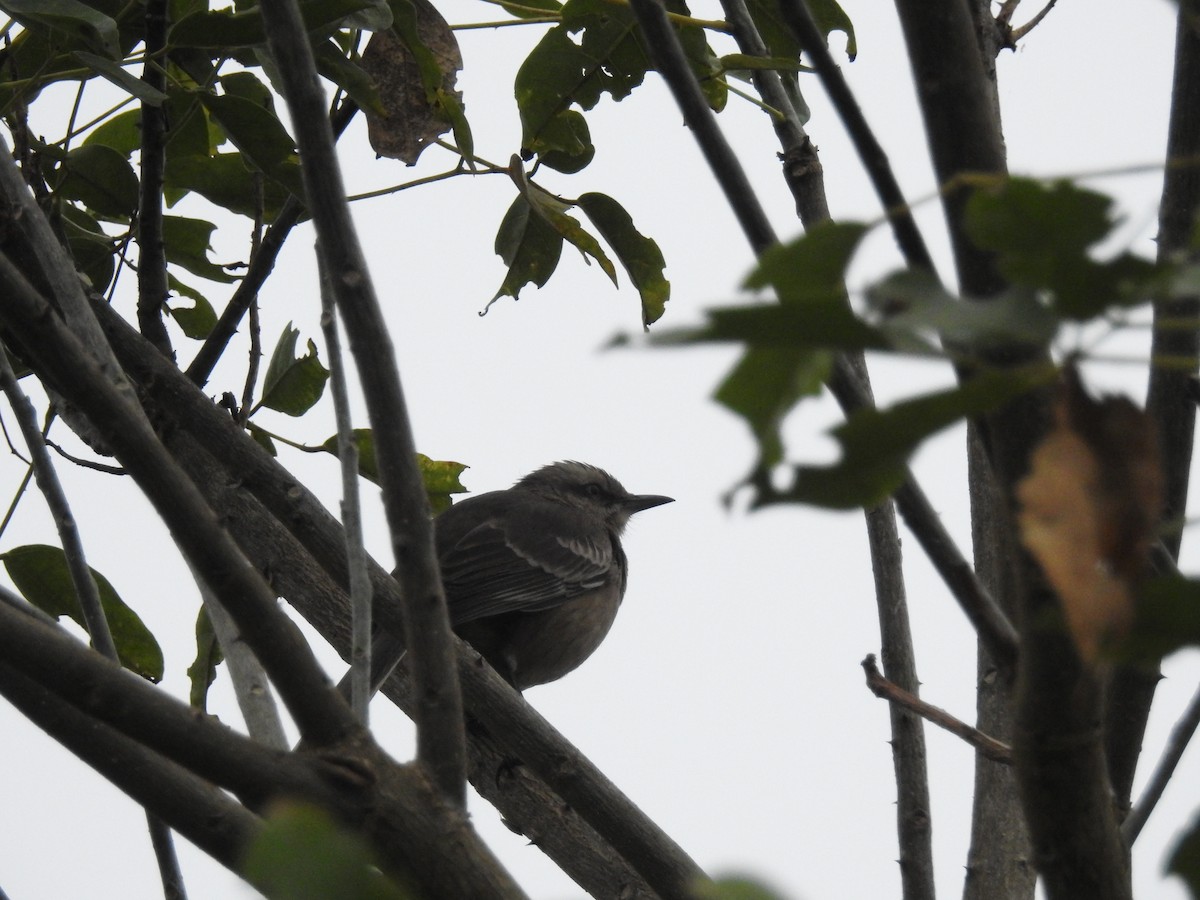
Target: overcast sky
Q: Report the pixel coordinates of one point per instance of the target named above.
(728, 701)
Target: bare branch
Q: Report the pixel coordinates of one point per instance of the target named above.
(356, 553)
(1170, 397)
(989, 747)
(58, 356)
(1181, 736)
(284, 528)
(870, 151)
(441, 744)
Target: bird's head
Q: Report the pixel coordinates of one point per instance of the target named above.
(591, 488)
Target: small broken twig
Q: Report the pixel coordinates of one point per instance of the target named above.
(995, 750)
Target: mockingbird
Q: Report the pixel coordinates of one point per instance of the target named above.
(534, 574)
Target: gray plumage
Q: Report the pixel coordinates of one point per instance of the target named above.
(534, 574)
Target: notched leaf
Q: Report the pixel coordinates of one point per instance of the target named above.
(529, 247)
(293, 384)
(414, 66)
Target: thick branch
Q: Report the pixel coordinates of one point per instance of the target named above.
(440, 740)
(286, 531)
(961, 120)
(1168, 399)
(1059, 737)
(426, 843)
(56, 353)
(207, 817)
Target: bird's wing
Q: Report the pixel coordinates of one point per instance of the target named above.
(495, 569)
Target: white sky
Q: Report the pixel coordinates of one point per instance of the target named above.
(728, 702)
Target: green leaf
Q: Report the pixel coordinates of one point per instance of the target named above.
(101, 179)
(69, 17)
(197, 320)
(225, 180)
(189, 132)
(608, 57)
(1166, 619)
(777, 35)
(257, 132)
(1042, 233)
(187, 243)
(553, 210)
(225, 30)
(1185, 858)
(348, 75)
(94, 251)
(121, 132)
(262, 438)
(820, 325)
(529, 247)
(640, 255)
(203, 670)
(735, 889)
(364, 441)
(293, 384)
(250, 87)
(565, 142)
(41, 574)
(126, 81)
(441, 479)
(529, 9)
(766, 385)
(877, 443)
(915, 308)
(811, 267)
(303, 854)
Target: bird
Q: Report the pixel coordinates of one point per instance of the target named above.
(534, 574)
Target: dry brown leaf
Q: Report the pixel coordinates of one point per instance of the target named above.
(410, 122)
(1090, 508)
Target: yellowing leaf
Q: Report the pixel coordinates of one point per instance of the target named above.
(1089, 508)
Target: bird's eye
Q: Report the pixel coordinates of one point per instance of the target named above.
(593, 490)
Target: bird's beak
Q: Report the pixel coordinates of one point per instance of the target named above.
(639, 502)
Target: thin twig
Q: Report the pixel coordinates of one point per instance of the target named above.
(994, 628)
(870, 151)
(441, 742)
(60, 510)
(152, 258)
(254, 357)
(995, 750)
(86, 589)
(261, 265)
(1181, 736)
(1018, 33)
(251, 686)
(671, 63)
(356, 552)
(61, 358)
